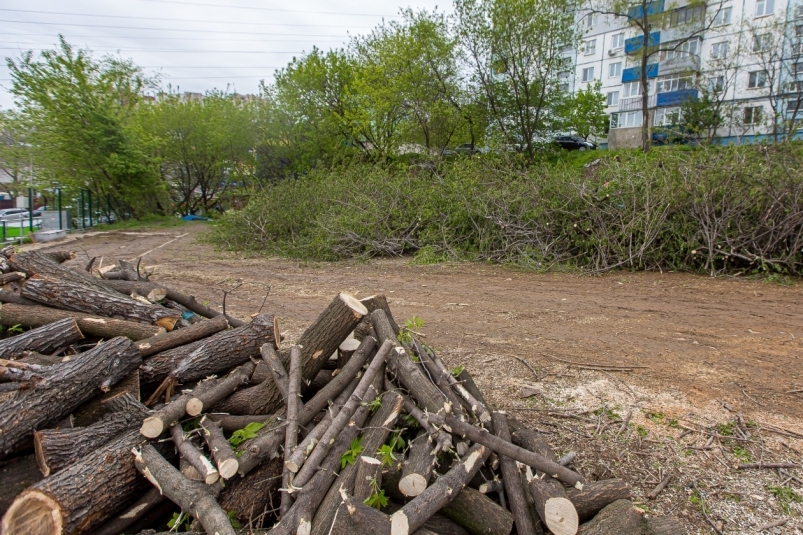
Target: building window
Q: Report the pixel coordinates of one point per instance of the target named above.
(762, 43)
(797, 68)
(752, 115)
(613, 98)
(591, 46)
(794, 106)
(719, 50)
(629, 119)
(799, 12)
(765, 7)
(666, 116)
(615, 70)
(723, 16)
(588, 74)
(590, 20)
(758, 79)
(682, 50)
(799, 30)
(674, 83)
(716, 83)
(631, 89)
(617, 41)
(797, 49)
(684, 15)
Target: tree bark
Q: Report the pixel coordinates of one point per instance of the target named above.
(322, 448)
(418, 467)
(187, 301)
(442, 439)
(118, 523)
(45, 339)
(442, 378)
(345, 350)
(67, 386)
(155, 424)
(58, 448)
(380, 301)
(373, 436)
(82, 496)
(556, 511)
(13, 297)
(99, 406)
(14, 276)
(369, 476)
(414, 514)
(36, 316)
(478, 513)
(293, 403)
(254, 496)
(190, 453)
(192, 496)
(222, 388)
(219, 447)
(511, 477)
(321, 380)
(179, 337)
(84, 298)
(617, 518)
(503, 447)
(277, 370)
(597, 495)
(356, 517)
(214, 354)
(35, 263)
(230, 423)
(17, 474)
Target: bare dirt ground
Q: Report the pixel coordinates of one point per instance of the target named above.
(715, 361)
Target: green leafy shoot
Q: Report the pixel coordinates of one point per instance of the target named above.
(397, 442)
(411, 326)
(246, 433)
(191, 425)
(742, 454)
(233, 520)
(411, 421)
(180, 522)
(14, 329)
(377, 499)
(386, 453)
(786, 497)
(351, 454)
(375, 404)
(457, 371)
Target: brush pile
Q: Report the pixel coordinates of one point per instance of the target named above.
(357, 428)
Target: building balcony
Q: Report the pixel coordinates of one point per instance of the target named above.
(634, 44)
(652, 8)
(634, 103)
(634, 73)
(690, 63)
(675, 98)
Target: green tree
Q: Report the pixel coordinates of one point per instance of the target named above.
(80, 113)
(205, 147)
(515, 52)
(584, 111)
(15, 154)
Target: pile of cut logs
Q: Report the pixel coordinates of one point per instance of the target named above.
(357, 428)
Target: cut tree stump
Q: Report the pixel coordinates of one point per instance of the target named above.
(556, 511)
(66, 386)
(45, 339)
(179, 337)
(596, 495)
(223, 387)
(225, 459)
(369, 477)
(85, 298)
(478, 513)
(193, 456)
(616, 519)
(36, 316)
(81, 496)
(418, 466)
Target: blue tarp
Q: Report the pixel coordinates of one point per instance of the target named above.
(191, 217)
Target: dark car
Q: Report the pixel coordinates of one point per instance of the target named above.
(575, 143)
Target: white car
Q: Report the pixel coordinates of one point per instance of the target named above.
(13, 214)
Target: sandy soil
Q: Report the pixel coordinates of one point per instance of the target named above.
(703, 351)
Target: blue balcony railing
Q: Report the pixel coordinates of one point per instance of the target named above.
(653, 8)
(634, 44)
(634, 73)
(675, 98)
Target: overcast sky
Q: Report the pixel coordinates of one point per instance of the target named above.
(195, 45)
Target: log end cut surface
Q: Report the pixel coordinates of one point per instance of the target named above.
(412, 485)
(354, 304)
(152, 427)
(34, 513)
(561, 516)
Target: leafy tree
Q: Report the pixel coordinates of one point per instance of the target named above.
(205, 147)
(514, 49)
(15, 154)
(585, 111)
(80, 117)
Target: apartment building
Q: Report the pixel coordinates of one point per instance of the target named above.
(746, 53)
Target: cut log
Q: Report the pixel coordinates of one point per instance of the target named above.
(418, 466)
(345, 350)
(277, 369)
(17, 474)
(556, 511)
(118, 523)
(13, 297)
(252, 498)
(59, 256)
(85, 298)
(37, 263)
(414, 514)
(230, 424)
(45, 339)
(155, 424)
(187, 301)
(80, 497)
(472, 396)
(511, 478)
(190, 453)
(380, 301)
(359, 396)
(617, 518)
(179, 337)
(67, 386)
(503, 447)
(478, 513)
(369, 477)
(374, 435)
(321, 380)
(222, 388)
(293, 402)
(192, 496)
(14, 276)
(359, 518)
(442, 378)
(32, 357)
(36, 316)
(597, 495)
(58, 448)
(99, 406)
(442, 439)
(219, 447)
(219, 352)
(530, 440)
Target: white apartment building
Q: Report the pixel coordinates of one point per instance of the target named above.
(750, 51)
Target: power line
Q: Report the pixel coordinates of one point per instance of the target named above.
(172, 51)
(158, 29)
(170, 19)
(175, 38)
(264, 8)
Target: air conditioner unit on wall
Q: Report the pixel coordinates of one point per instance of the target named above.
(611, 52)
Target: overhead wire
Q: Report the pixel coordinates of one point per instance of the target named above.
(255, 8)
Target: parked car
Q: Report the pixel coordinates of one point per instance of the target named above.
(575, 143)
(467, 149)
(13, 214)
